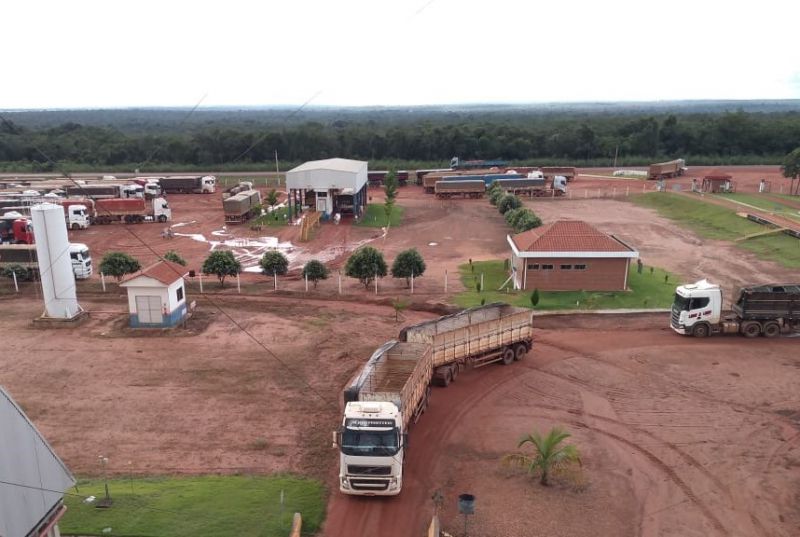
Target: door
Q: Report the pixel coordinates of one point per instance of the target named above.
(148, 309)
(322, 204)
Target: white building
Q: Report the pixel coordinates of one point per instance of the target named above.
(156, 295)
(32, 477)
(334, 185)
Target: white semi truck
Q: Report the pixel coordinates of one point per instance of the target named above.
(765, 310)
(24, 256)
(393, 388)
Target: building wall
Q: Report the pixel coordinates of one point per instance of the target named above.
(600, 274)
(173, 310)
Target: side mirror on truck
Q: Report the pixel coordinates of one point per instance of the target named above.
(337, 438)
(405, 440)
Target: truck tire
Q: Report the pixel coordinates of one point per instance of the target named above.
(520, 351)
(75, 226)
(162, 218)
(771, 330)
(701, 330)
(751, 329)
(447, 378)
(508, 356)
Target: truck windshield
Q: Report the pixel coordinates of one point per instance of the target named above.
(370, 443)
(680, 303)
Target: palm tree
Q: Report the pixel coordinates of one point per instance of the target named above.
(548, 455)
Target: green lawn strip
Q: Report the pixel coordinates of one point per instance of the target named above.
(209, 506)
(769, 204)
(375, 216)
(278, 217)
(647, 290)
(715, 222)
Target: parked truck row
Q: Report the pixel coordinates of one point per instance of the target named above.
(393, 388)
(24, 256)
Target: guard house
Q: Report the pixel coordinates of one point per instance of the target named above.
(569, 255)
(32, 477)
(330, 186)
(156, 295)
(717, 183)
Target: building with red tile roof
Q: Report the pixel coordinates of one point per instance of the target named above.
(156, 295)
(569, 255)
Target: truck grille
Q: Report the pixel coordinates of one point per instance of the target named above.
(368, 470)
(675, 319)
(369, 484)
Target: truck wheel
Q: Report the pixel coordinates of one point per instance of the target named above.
(751, 329)
(508, 356)
(701, 330)
(447, 378)
(75, 226)
(771, 330)
(162, 218)
(520, 351)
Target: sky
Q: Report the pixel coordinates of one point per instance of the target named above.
(99, 54)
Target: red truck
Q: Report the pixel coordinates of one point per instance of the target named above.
(131, 211)
(15, 229)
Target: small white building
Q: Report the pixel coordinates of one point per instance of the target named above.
(32, 477)
(334, 185)
(156, 295)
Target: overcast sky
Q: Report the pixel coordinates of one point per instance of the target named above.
(64, 54)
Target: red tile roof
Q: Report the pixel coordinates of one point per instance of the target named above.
(166, 272)
(567, 236)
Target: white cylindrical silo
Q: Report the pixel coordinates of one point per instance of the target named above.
(55, 265)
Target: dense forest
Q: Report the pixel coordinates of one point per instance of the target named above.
(229, 139)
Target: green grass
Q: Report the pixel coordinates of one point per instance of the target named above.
(647, 290)
(715, 222)
(765, 203)
(375, 216)
(278, 217)
(211, 506)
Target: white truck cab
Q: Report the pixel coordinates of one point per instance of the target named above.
(132, 191)
(208, 184)
(81, 260)
(560, 183)
(77, 217)
(371, 443)
(161, 210)
(696, 307)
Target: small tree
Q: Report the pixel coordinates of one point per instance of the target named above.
(222, 264)
(791, 170)
(365, 264)
(527, 220)
(508, 202)
(408, 263)
(399, 305)
(548, 454)
(390, 185)
(175, 257)
(23, 274)
(118, 264)
(272, 198)
(535, 298)
(513, 215)
(274, 263)
(315, 270)
(495, 195)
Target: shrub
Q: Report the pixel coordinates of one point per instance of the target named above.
(221, 264)
(175, 257)
(118, 264)
(315, 270)
(408, 263)
(274, 263)
(508, 202)
(528, 220)
(365, 264)
(495, 195)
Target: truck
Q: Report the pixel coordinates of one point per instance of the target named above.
(377, 177)
(131, 211)
(105, 191)
(241, 207)
(150, 185)
(15, 228)
(766, 310)
(24, 255)
(665, 170)
(188, 184)
(241, 186)
(535, 187)
(458, 188)
(77, 212)
(569, 172)
(393, 389)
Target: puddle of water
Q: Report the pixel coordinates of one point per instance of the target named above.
(433, 244)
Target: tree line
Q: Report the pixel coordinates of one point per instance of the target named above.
(727, 138)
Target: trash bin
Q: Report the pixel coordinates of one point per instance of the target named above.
(466, 504)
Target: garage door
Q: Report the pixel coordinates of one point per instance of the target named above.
(149, 309)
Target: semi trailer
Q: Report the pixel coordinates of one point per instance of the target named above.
(131, 211)
(765, 310)
(393, 388)
(535, 187)
(460, 188)
(241, 207)
(24, 256)
(188, 184)
(665, 170)
(569, 172)
(105, 191)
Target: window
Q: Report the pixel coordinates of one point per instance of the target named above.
(547, 267)
(580, 267)
(533, 266)
(566, 267)
(698, 303)
(179, 293)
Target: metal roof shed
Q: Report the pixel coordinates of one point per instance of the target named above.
(332, 184)
(32, 477)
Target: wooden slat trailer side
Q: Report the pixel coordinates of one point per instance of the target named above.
(476, 337)
(466, 189)
(398, 373)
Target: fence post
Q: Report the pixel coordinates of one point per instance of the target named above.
(376, 283)
(16, 286)
(340, 282)
(306, 278)
(238, 283)
(200, 274)
(445, 280)
(103, 281)
(275, 280)
(412, 282)
(481, 282)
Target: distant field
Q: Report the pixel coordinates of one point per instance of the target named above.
(715, 222)
(213, 506)
(647, 290)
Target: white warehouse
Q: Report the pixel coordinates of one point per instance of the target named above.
(330, 186)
